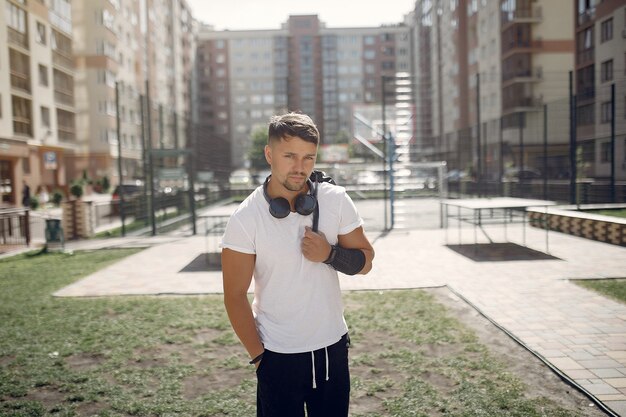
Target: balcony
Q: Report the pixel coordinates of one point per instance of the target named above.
(66, 133)
(522, 75)
(586, 16)
(17, 38)
(62, 60)
(23, 126)
(534, 15)
(62, 96)
(520, 46)
(20, 81)
(521, 104)
(585, 57)
(586, 93)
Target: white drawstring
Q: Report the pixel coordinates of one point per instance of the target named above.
(313, 362)
(326, 350)
(313, 366)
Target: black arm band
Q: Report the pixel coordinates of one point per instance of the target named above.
(348, 261)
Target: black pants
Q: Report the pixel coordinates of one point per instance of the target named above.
(285, 383)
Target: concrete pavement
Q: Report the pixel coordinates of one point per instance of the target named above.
(579, 333)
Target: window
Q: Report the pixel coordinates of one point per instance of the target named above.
(369, 54)
(585, 115)
(45, 116)
(605, 152)
(43, 75)
(41, 33)
(16, 17)
(22, 116)
(605, 112)
(606, 30)
(606, 71)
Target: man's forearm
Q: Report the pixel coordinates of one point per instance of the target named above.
(242, 320)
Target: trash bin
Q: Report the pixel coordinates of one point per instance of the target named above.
(54, 234)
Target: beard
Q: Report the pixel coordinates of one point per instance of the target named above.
(294, 186)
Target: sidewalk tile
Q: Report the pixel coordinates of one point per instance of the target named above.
(611, 397)
(599, 363)
(616, 382)
(618, 406)
(597, 389)
(607, 373)
(566, 364)
(581, 374)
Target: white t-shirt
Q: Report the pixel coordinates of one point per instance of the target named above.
(297, 303)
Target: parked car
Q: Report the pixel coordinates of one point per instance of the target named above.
(260, 176)
(368, 178)
(240, 178)
(455, 175)
(128, 189)
(525, 174)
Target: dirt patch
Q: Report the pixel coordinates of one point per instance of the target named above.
(539, 379)
(198, 385)
(45, 395)
(84, 362)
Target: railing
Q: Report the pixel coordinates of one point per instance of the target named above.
(20, 81)
(594, 192)
(62, 60)
(18, 38)
(585, 56)
(524, 15)
(14, 227)
(586, 16)
(64, 97)
(66, 134)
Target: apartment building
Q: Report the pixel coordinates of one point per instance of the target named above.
(37, 108)
(491, 67)
(136, 48)
(601, 67)
(537, 57)
(244, 77)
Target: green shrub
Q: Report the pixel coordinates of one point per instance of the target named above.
(57, 197)
(77, 189)
(34, 203)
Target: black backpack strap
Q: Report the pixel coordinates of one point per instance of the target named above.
(320, 176)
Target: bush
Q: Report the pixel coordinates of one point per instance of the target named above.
(34, 203)
(57, 197)
(106, 184)
(77, 189)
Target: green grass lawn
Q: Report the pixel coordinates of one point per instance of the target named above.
(613, 288)
(177, 356)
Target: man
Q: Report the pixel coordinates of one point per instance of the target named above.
(25, 195)
(294, 331)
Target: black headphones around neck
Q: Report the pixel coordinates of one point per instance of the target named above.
(305, 204)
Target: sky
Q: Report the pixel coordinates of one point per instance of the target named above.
(270, 14)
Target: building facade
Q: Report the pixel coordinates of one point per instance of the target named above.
(141, 49)
(37, 102)
(488, 71)
(600, 68)
(244, 77)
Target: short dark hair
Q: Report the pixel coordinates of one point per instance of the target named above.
(293, 124)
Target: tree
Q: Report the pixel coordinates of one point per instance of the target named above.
(256, 154)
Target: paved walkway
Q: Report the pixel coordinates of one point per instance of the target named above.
(575, 330)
